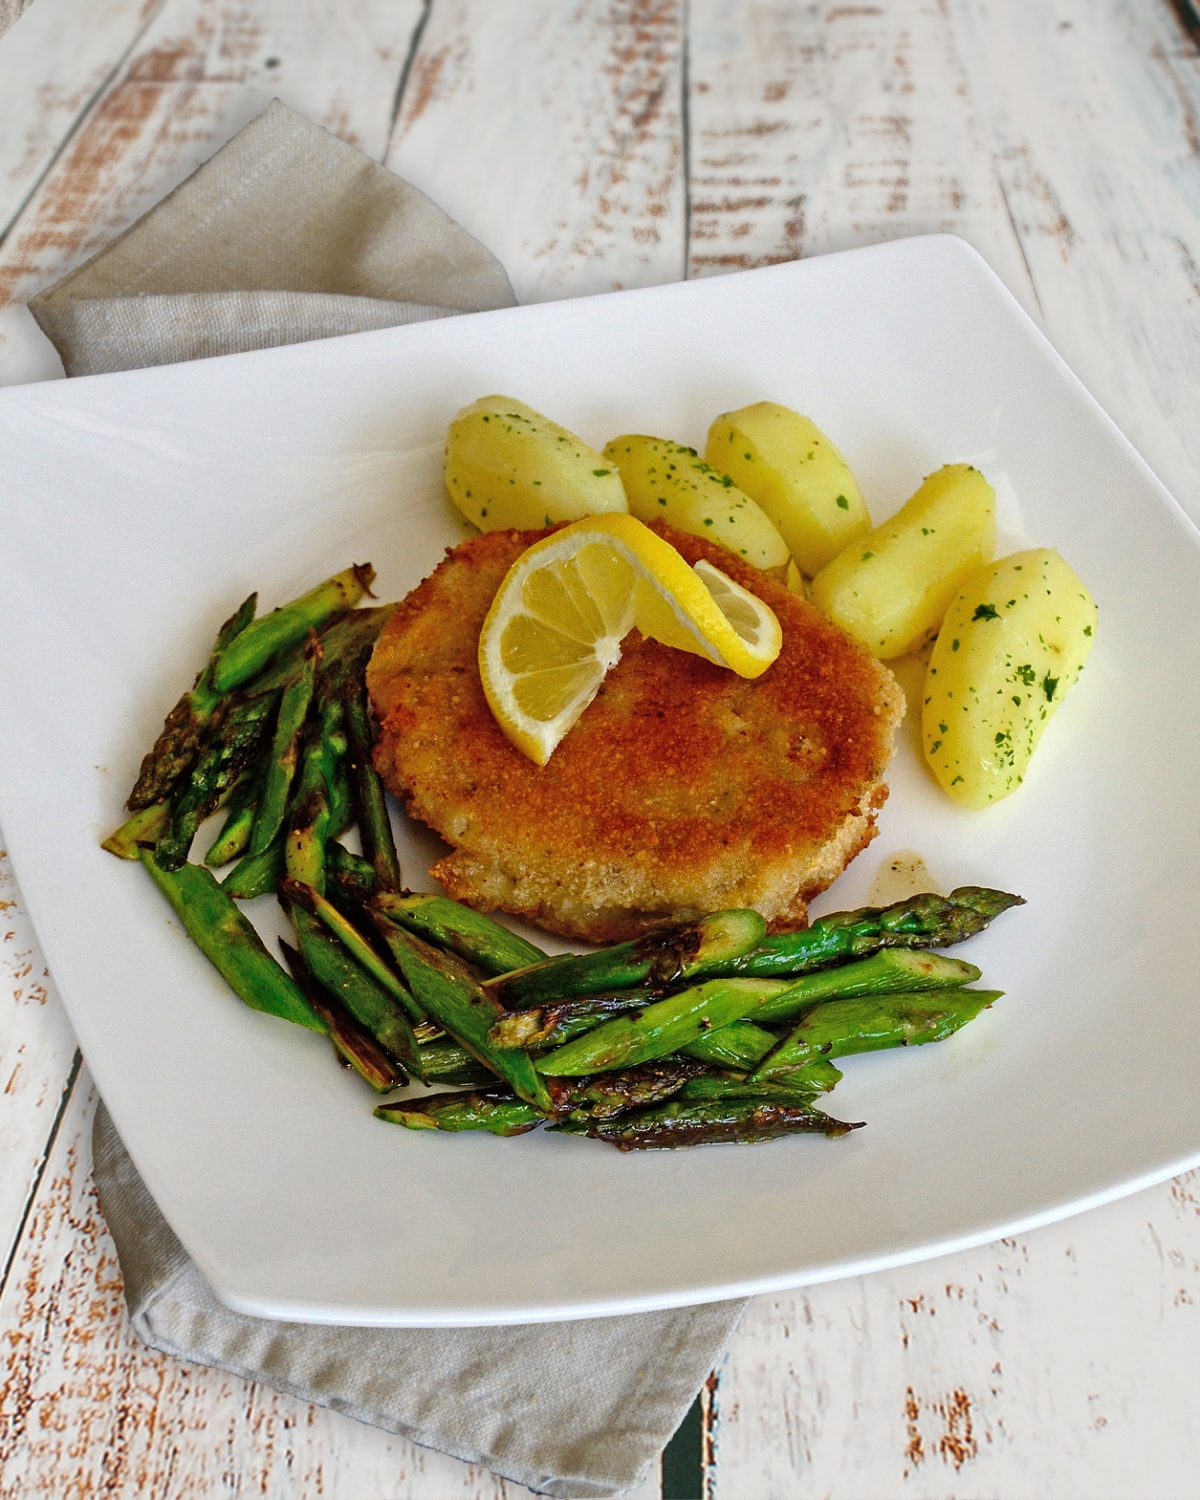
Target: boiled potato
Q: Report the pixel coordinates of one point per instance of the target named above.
(794, 579)
(1013, 642)
(667, 482)
(891, 588)
(507, 465)
(787, 465)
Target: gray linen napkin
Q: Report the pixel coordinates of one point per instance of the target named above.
(288, 234)
(10, 10)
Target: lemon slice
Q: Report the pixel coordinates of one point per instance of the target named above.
(557, 622)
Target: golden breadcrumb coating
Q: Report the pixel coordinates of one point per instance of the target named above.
(683, 789)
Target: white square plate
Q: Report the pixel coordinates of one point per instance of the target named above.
(137, 509)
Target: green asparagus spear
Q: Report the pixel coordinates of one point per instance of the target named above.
(494, 1110)
(353, 1044)
(679, 1020)
(374, 825)
(448, 992)
(256, 874)
(545, 1026)
(146, 826)
(661, 959)
(840, 1028)
(448, 924)
(356, 1048)
(350, 637)
(924, 921)
(280, 768)
(659, 1029)
(217, 769)
(818, 1077)
(353, 873)
(310, 900)
(179, 741)
(341, 806)
(311, 817)
(500, 1112)
(235, 832)
(891, 970)
(668, 1126)
(250, 651)
(611, 1094)
(228, 941)
(367, 1001)
(446, 1062)
(742, 1045)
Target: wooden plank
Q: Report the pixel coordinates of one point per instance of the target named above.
(47, 87)
(1038, 1365)
(199, 72)
(85, 1409)
(1097, 141)
(821, 127)
(37, 1060)
(555, 139)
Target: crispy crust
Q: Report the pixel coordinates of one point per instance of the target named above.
(683, 789)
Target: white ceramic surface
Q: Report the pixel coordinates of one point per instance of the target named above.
(137, 509)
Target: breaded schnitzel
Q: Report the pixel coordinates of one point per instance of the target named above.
(683, 788)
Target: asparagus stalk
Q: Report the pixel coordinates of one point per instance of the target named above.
(311, 816)
(502, 1113)
(445, 1061)
(280, 768)
(230, 943)
(341, 808)
(681, 1019)
(703, 1122)
(448, 924)
(632, 1088)
(923, 921)
(217, 769)
(659, 1029)
(260, 874)
(659, 960)
(352, 1043)
(368, 1002)
(493, 1110)
(311, 900)
(255, 874)
(449, 993)
(817, 1077)
(354, 875)
(235, 832)
(146, 826)
(892, 970)
(350, 637)
(250, 651)
(741, 1045)
(179, 740)
(544, 1026)
(374, 825)
(840, 1028)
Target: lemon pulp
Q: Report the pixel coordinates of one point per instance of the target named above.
(558, 619)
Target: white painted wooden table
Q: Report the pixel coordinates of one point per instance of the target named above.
(612, 143)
